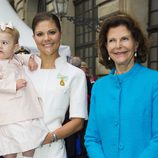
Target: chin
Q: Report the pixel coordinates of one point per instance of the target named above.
(48, 52)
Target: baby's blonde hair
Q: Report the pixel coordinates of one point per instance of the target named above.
(13, 32)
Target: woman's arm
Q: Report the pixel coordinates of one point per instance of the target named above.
(93, 142)
(77, 108)
(151, 151)
(71, 127)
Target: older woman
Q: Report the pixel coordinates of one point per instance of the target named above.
(123, 121)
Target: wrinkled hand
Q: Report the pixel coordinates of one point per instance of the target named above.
(20, 83)
(32, 64)
(48, 139)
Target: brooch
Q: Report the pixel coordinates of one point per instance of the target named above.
(62, 83)
(62, 79)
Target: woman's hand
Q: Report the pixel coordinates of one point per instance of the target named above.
(48, 139)
(73, 126)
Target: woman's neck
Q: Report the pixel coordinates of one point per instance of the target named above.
(48, 61)
(122, 68)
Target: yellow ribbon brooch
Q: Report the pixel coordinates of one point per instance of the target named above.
(62, 79)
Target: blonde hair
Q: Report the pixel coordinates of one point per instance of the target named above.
(13, 32)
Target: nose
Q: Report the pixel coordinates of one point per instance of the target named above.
(118, 44)
(46, 37)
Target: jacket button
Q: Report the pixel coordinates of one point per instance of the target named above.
(116, 123)
(121, 147)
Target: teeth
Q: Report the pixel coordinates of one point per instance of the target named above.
(47, 45)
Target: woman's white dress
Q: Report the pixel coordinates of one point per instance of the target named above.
(59, 88)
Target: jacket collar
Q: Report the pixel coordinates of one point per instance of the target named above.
(60, 62)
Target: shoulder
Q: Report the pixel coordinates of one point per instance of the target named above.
(102, 82)
(75, 70)
(17, 60)
(65, 67)
(103, 79)
(148, 72)
(71, 72)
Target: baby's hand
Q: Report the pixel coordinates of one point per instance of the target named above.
(20, 83)
(32, 63)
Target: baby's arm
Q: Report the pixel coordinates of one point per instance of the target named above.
(11, 86)
(20, 83)
(32, 63)
(28, 60)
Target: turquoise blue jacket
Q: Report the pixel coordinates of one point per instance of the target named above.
(123, 120)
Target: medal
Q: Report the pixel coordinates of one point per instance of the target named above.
(62, 83)
(62, 79)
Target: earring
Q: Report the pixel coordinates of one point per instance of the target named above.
(109, 58)
(135, 54)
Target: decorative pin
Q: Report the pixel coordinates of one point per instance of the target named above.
(62, 79)
(62, 83)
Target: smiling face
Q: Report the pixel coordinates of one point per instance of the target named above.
(121, 46)
(7, 45)
(47, 37)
